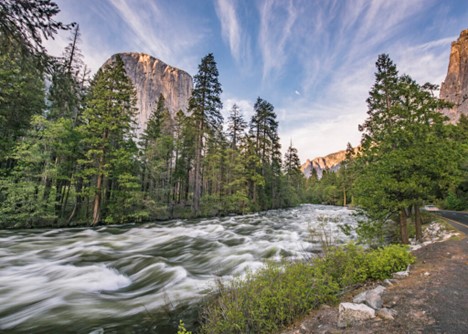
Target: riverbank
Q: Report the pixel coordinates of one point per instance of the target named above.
(432, 299)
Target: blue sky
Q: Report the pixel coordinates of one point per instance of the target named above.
(312, 59)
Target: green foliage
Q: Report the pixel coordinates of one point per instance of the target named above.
(457, 198)
(382, 262)
(181, 329)
(110, 152)
(269, 299)
(346, 265)
(277, 294)
(22, 96)
(205, 107)
(408, 154)
(456, 202)
(28, 22)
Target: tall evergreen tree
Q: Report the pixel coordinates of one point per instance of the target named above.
(294, 177)
(404, 145)
(22, 95)
(108, 131)
(236, 126)
(65, 103)
(264, 131)
(157, 148)
(205, 107)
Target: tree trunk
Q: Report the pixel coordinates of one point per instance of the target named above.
(97, 200)
(418, 223)
(403, 227)
(58, 197)
(197, 171)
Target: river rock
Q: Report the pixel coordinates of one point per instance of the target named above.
(372, 298)
(388, 282)
(350, 313)
(386, 314)
(402, 274)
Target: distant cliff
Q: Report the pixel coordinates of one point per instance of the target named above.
(152, 77)
(331, 162)
(455, 87)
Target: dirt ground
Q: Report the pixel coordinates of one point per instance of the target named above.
(432, 299)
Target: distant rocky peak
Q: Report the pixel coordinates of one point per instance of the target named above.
(152, 77)
(331, 162)
(455, 87)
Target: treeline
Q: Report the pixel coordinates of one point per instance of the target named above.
(409, 156)
(69, 153)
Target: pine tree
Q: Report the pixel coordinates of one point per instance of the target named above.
(26, 23)
(204, 105)
(236, 126)
(264, 132)
(66, 97)
(157, 146)
(294, 177)
(108, 132)
(22, 95)
(404, 145)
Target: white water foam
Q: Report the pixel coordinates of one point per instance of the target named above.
(111, 272)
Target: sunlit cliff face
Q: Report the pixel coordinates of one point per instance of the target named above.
(152, 77)
(455, 87)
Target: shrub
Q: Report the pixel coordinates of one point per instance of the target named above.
(269, 299)
(382, 262)
(274, 296)
(346, 264)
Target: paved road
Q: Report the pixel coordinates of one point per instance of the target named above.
(459, 220)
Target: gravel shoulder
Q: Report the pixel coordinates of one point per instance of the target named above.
(432, 299)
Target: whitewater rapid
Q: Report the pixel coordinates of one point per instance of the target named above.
(123, 278)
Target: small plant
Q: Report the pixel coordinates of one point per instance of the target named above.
(322, 232)
(181, 329)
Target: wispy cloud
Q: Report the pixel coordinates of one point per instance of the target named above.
(246, 107)
(277, 19)
(231, 28)
(153, 29)
(426, 62)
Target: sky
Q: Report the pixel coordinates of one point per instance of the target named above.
(314, 60)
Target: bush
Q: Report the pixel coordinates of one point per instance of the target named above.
(269, 299)
(382, 262)
(273, 297)
(346, 264)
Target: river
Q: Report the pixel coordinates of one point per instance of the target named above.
(142, 278)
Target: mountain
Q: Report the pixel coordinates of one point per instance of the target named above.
(455, 87)
(330, 162)
(152, 77)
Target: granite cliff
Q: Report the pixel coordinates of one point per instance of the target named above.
(455, 87)
(330, 162)
(152, 77)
